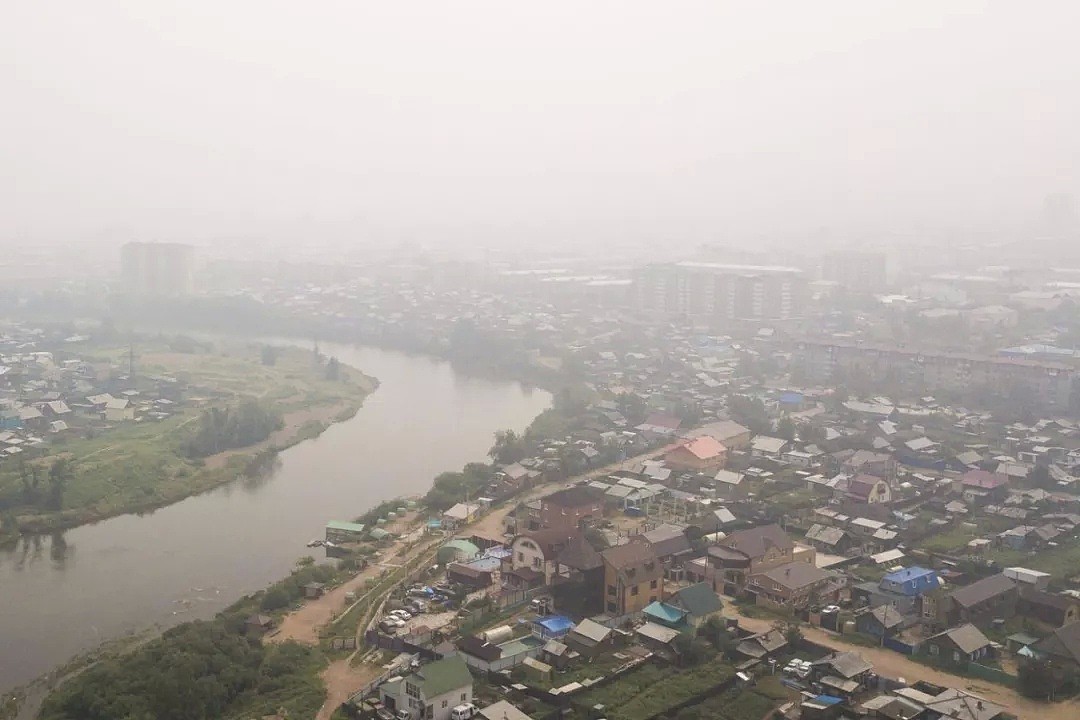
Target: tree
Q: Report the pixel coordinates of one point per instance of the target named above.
(750, 412)
(59, 475)
(269, 355)
(275, 599)
(785, 428)
(333, 370)
(1036, 679)
(509, 447)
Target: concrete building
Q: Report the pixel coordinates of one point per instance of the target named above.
(859, 271)
(720, 291)
(158, 269)
(1051, 383)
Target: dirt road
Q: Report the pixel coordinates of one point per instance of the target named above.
(894, 665)
(342, 682)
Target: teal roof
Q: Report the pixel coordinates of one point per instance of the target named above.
(462, 546)
(346, 526)
(442, 676)
(664, 613)
(699, 600)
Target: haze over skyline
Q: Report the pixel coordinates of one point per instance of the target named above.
(495, 123)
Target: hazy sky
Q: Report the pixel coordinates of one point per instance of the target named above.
(506, 121)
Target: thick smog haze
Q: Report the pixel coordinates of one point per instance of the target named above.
(494, 122)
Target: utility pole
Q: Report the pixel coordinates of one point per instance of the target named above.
(131, 364)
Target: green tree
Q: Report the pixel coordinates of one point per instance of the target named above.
(268, 355)
(60, 474)
(785, 428)
(333, 370)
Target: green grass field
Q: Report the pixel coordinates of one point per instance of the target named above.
(137, 465)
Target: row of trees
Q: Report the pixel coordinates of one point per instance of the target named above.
(220, 429)
(51, 496)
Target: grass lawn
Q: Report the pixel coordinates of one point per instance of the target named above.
(740, 704)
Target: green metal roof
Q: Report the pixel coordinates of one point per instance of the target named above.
(442, 676)
(699, 600)
(346, 526)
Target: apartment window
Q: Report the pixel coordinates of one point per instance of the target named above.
(934, 650)
(412, 690)
(445, 703)
(611, 607)
(521, 557)
(610, 589)
(634, 590)
(536, 562)
(430, 711)
(652, 585)
(956, 656)
(463, 697)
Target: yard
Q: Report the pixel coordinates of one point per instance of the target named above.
(654, 689)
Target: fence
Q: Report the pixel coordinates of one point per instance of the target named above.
(992, 674)
(899, 646)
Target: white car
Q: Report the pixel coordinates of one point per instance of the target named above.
(394, 620)
(403, 614)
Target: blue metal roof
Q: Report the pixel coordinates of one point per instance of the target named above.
(910, 581)
(666, 614)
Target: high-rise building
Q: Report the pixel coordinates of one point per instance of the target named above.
(860, 271)
(721, 291)
(157, 269)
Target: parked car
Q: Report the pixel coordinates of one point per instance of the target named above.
(394, 620)
(388, 627)
(416, 607)
(403, 614)
(463, 712)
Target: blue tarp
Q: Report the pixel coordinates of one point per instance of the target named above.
(555, 625)
(828, 700)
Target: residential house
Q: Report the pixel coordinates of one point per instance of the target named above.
(764, 446)
(733, 435)
(700, 454)
(258, 625)
(980, 602)
(119, 410)
(502, 710)
(669, 542)
(633, 578)
(795, 585)
(542, 557)
(744, 553)
(829, 539)
(882, 621)
(960, 705)
(983, 487)
(1048, 608)
(699, 601)
(842, 673)
(460, 514)
(902, 590)
(868, 489)
(589, 638)
(571, 508)
(661, 424)
(431, 692)
(1062, 645)
(763, 644)
(957, 646)
(856, 462)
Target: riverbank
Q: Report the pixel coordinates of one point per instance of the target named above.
(138, 467)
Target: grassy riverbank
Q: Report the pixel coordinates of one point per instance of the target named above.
(137, 466)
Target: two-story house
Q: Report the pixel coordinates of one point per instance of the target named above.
(901, 590)
(431, 692)
(732, 561)
(569, 509)
(793, 586)
(633, 578)
(542, 557)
